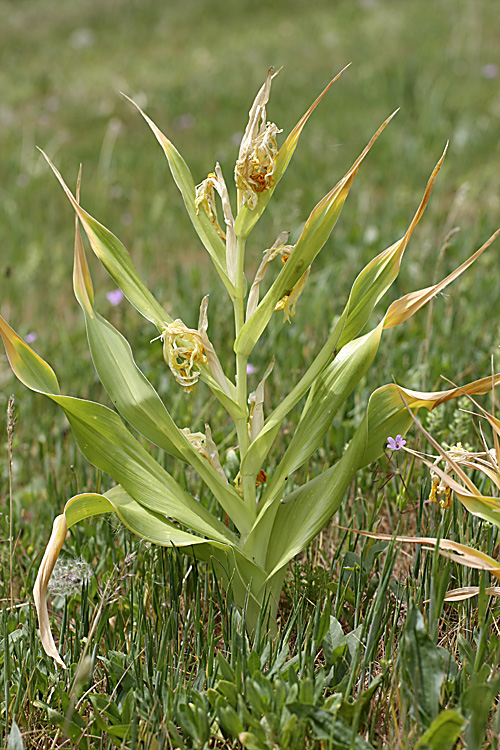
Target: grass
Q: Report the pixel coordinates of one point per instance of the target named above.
(155, 651)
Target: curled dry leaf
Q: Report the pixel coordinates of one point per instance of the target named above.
(56, 541)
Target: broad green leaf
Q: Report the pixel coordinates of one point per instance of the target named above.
(477, 702)
(293, 523)
(334, 643)
(247, 218)
(140, 520)
(329, 392)
(117, 261)
(260, 447)
(443, 733)
(184, 181)
(316, 231)
(424, 663)
(15, 738)
(148, 525)
(136, 399)
(106, 443)
(31, 369)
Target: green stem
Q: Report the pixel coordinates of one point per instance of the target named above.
(241, 367)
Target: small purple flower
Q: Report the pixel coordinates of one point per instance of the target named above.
(30, 337)
(250, 369)
(395, 444)
(115, 297)
(490, 71)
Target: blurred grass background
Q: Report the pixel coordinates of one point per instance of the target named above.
(195, 68)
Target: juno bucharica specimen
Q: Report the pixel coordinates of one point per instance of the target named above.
(266, 529)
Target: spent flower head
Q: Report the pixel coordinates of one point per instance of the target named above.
(183, 352)
(256, 161)
(205, 197)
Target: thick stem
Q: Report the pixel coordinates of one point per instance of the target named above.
(241, 368)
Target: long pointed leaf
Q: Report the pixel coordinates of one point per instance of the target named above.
(136, 399)
(328, 393)
(406, 306)
(247, 218)
(314, 235)
(376, 277)
(117, 261)
(106, 443)
(185, 183)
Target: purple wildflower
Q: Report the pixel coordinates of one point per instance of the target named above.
(115, 297)
(250, 369)
(30, 337)
(395, 444)
(490, 71)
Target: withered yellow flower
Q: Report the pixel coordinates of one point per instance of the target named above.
(183, 352)
(256, 162)
(440, 491)
(279, 248)
(206, 447)
(289, 301)
(205, 197)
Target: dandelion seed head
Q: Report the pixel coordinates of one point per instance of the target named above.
(69, 576)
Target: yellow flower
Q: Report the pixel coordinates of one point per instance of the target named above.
(206, 447)
(288, 302)
(205, 197)
(440, 491)
(183, 352)
(440, 488)
(256, 161)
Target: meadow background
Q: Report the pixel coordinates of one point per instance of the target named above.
(150, 622)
